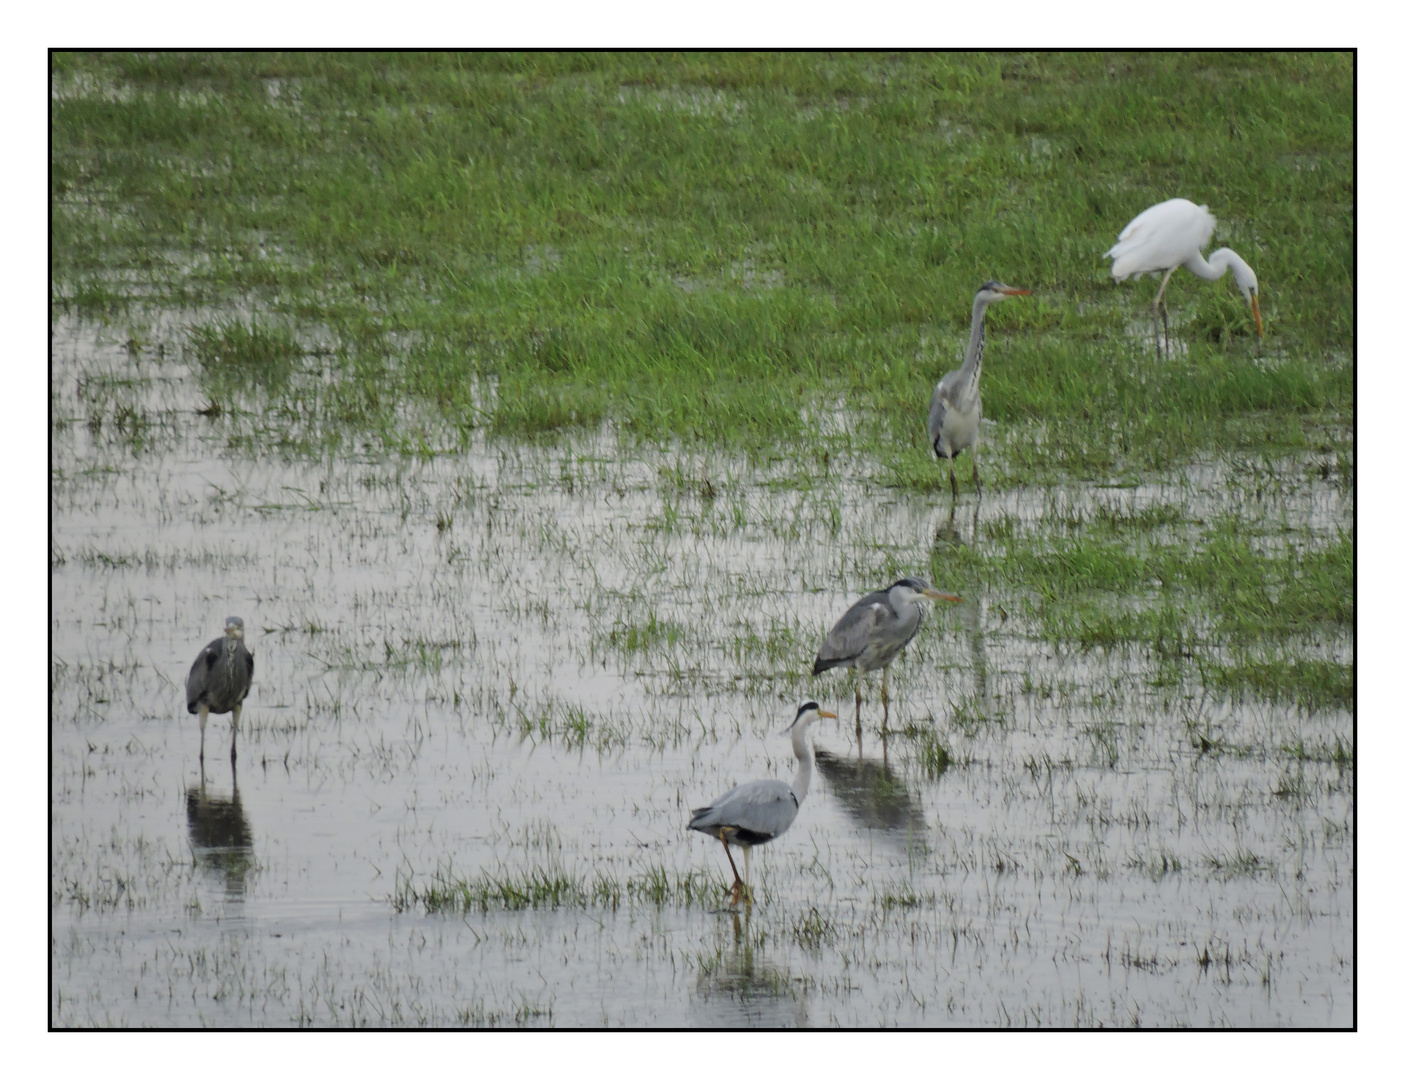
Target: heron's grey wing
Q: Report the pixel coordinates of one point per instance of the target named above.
(249, 660)
(936, 414)
(750, 813)
(854, 630)
(766, 811)
(199, 679)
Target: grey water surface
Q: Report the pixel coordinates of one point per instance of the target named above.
(526, 661)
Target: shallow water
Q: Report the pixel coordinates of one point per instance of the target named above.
(532, 659)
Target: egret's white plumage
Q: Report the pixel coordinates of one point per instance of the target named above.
(758, 812)
(1171, 234)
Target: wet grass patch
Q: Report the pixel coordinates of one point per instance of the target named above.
(1310, 684)
(447, 893)
(604, 254)
(542, 415)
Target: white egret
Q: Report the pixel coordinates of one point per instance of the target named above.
(1171, 234)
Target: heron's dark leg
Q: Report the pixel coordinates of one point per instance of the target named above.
(234, 733)
(737, 883)
(746, 886)
(885, 701)
(951, 466)
(976, 474)
(858, 702)
(204, 715)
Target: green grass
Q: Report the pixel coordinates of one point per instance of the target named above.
(713, 247)
(551, 889)
(387, 253)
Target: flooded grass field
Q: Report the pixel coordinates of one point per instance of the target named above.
(515, 613)
(490, 685)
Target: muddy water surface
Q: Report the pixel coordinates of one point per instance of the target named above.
(523, 663)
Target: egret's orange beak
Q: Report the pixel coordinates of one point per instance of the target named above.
(1258, 320)
(932, 594)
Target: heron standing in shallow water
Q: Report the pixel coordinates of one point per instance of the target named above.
(1171, 234)
(872, 633)
(759, 811)
(954, 416)
(220, 679)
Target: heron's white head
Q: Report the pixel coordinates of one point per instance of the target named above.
(992, 292)
(234, 627)
(910, 588)
(807, 714)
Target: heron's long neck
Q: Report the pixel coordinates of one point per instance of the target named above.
(801, 784)
(975, 348)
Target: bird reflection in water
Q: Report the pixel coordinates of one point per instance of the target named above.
(220, 838)
(948, 534)
(738, 989)
(875, 797)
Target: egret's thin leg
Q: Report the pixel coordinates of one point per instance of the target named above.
(1159, 294)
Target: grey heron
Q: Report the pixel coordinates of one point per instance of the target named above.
(954, 416)
(871, 633)
(758, 812)
(1171, 234)
(219, 680)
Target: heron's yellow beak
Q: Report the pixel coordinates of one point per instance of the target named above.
(829, 715)
(1258, 320)
(1018, 292)
(932, 594)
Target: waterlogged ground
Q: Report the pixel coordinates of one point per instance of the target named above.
(491, 683)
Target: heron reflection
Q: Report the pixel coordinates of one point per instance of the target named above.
(948, 534)
(873, 795)
(738, 988)
(220, 837)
